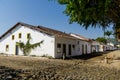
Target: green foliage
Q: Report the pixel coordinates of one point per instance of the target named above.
(27, 47)
(47, 56)
(101, 39)
(117, 32)
(95, 13)
(108, 33)
(44, 55)
(88, 12)
(114, 41)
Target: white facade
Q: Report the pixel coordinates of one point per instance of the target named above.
(46, 48)
(95, 46)
(49, 47)
(98, 47)
(67, 46)
(55, 43)
(83, 45)
(110, 46)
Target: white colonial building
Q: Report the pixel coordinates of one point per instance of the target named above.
(98, 46)
(83, 45)
(110, 46)
(55, 43)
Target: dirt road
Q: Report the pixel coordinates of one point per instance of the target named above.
(36, 68)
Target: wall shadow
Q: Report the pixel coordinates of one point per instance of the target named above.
(88, 56)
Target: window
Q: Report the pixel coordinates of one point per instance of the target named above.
(20, 35)
(58, 48)
(78, 42)
(82, 48)
(13, 37)
(28, 35)
(73, 46)
(7, 47)
(58, 45)
(64, 49)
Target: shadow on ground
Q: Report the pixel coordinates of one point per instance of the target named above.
(89, 56)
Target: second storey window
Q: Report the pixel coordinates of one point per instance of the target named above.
(28, 35)
(13, 37)
(20, 35)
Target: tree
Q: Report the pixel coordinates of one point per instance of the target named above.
(108, 33)
(117, 32)
(27, 47)
(101, 39)
(95, 13)
(87, 12)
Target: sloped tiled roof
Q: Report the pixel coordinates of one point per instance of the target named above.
(81, 37)
(41, 29)
(54, 32)
(17, 24)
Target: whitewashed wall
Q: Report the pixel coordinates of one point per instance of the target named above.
(46, 48)
(96, 45)
(86, 50)
(49, 46)
(74, 51)
(110, 46)
(82, 44)
(67, 41)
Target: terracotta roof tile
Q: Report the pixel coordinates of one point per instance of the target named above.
(41, 29)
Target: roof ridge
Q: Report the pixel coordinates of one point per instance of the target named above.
(40, 28)
(51, 29)
(22, 23)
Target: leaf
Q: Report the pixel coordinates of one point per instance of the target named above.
(28, 47)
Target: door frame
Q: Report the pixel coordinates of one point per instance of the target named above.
(69, 49)
(16, 50)
(64, 50)
(83, 49)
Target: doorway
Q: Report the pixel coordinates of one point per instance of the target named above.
(82, 49)
(64, 50)
(16, 50)
(86, 49)
(69, 48)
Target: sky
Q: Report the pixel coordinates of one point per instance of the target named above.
(41, 12)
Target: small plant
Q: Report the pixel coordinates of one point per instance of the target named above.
(27, 47)
(33, 55)
(2, 53)
(44, 55)
(49, 57)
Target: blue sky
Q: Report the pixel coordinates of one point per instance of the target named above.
(40, 12)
